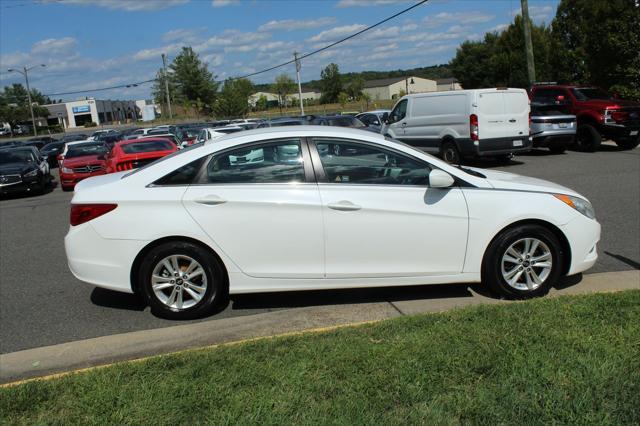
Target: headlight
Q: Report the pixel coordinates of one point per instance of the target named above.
(66, 170)
(580, 204)
(32, 173)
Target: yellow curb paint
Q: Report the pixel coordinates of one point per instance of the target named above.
(203, 348)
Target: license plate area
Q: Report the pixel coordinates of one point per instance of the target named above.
(517, 142)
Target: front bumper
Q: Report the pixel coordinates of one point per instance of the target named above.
(619, 131)
(583, 235)
(25, 185)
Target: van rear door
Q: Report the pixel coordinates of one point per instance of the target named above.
(491, 115)
(516, 104)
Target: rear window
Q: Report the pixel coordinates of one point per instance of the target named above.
(147, 146)
(86, 149)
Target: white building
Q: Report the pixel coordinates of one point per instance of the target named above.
(390, 88)
(78, 113)
(445, 84)
(307, 95)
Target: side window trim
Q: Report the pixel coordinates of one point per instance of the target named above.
(321, 176)
(306, 162)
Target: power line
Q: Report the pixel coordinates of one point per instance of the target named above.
(306, 55)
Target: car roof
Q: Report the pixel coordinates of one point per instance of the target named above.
(299, 131)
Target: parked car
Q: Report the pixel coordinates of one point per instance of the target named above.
(109, 139)
(213, 133)
(36, 144)
(128, 155)
(81, 161)
(374, 120)
(191, 228)
(94, 136)
(170, 136)
(44, 139)
(338, 120)
(599, 114)
(22, 169)
(50, 151)
(10, 144)
(4, 131)
(65, 148)
(552, 127)
(463, 123)
(72, 137)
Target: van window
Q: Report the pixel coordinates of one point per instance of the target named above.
(491, 103)
(399, 112)
(439, 105)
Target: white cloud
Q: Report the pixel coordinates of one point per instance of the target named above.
(187, 35)
(362, 3)
(230, 38)
(444, 18)
(156, 52)
(127, 5)
(336, 33)
(296, 24)
(223, 3)
(276, 45)
(537, 13)
(498, 28)
(56, 45)
(386, 47)
(213, 59)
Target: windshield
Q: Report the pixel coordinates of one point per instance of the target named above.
(147, 146)
(82, 149)
(589, 93)
(22, 156)
(54, 146)
(166, 157)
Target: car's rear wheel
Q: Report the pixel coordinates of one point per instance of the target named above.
(522, 262)
(449, 152)
(182, 280)
(588, 139)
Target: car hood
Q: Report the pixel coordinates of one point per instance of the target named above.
(15, 168)
(81, 161)
(513, 182)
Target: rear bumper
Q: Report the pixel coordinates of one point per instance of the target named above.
(99, 261)
(546, 139)
(495, 146)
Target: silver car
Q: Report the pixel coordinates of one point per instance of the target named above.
(552, 127)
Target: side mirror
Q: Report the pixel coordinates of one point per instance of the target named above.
(440, 179)
(385, 117)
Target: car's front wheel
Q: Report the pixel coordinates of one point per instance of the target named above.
(182, 280)
(523, 262)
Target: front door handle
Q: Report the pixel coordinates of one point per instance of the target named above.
(210, 200)
(513, 120)
(404, 124)
(344, 206)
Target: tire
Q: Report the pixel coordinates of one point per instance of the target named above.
(449, 152)
(588, 138)
(628, 143)
(496, 269)
(557, 149)
(173, 298)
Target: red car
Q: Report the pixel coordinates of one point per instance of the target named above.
(82, 161)
(134, 153)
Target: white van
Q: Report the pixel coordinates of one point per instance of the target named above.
(463, 123)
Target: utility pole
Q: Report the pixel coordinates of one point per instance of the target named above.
(166, 84)
(531, 66)
(298, 66)
(25, 73)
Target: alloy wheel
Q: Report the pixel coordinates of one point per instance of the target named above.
(179, 281)
(526, 264)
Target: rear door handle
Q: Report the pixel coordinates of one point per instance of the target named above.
(513, 120)
(210, 200)
(344, 206)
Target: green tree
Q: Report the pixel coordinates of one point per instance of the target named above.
(189, 81)
(282, 87)
(343, 98)
(262, 103)
(14, 104)
(600, 44)
(330, 84)
(160, 95)
(233, 99)
(354, 88)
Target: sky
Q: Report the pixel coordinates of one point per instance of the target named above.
(89, 44)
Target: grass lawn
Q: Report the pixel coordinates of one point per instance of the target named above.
(571, 360)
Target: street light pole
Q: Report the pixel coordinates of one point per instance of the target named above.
(25, 73)
(166, 84)
(298, 66)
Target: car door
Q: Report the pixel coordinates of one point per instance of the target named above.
(516, 106)
(397, 122)
(381, 218)
(491, 115)
(260, 205)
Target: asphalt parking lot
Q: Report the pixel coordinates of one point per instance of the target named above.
(41, 303)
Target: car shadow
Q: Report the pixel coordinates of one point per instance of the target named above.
(568, 281)
(623, 259)
(116, 300)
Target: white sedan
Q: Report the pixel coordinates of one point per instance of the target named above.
(324, 208)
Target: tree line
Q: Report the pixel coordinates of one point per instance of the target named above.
(591, 42)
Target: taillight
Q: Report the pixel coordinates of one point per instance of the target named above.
(473, 127)
(81, 213)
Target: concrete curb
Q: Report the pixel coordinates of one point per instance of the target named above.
(98, 351)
